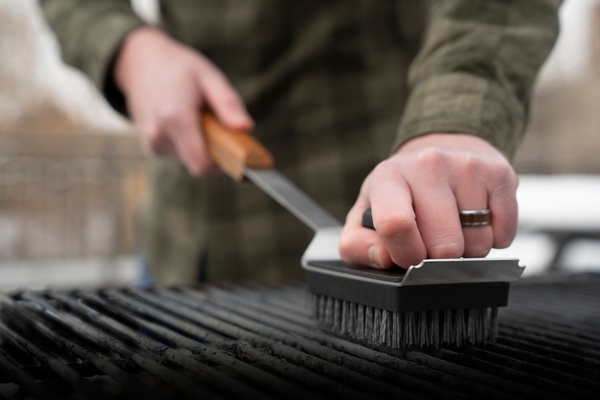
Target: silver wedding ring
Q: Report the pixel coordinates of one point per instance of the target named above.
(475, 217)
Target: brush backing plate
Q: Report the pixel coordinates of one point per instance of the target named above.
(382, 289)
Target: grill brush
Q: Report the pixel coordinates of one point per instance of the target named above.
(444, 301)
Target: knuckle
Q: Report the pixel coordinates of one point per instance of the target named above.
(230, 101)
(498, 171)
(468, 163)
(345, 246)
(384, 170)
(503, 183)
(364, 187)
(393, 226)
(513, 179)
(431, 157)
(170, 116)
(503, 173)
(381, 168)
(212, 76)
(215, 72)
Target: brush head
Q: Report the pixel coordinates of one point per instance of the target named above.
(378, 308)
(451, 301)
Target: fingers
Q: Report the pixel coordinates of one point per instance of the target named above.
(437, 217)
(223, 99)
(166, 85)
(399, 233)
(478, 240)
(186, 134)
(504, 210)
(472, 194)
(415, 197)
(178, 134)
(394, 218)
(362, 246)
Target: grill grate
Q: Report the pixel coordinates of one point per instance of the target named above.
(259, 341)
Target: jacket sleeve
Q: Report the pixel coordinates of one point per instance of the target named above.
(90, 33)
(476, 69)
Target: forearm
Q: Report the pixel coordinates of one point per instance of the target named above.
(476, 69)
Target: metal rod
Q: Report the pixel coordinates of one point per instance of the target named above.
(27, 384)
(316, 381)
(128, 381)
(224, 382)
(170, 377)
(239, 349)
(300, 349)
(62, 370)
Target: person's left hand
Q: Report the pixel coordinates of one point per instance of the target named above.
(416, 194)
(166, 85)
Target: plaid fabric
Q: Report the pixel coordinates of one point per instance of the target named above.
(326, 82)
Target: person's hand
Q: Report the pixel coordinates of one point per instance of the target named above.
(415, 197)
(166, 84)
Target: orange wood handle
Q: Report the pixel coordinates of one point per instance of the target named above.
(233, 151)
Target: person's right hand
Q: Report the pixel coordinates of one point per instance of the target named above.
(166, 84)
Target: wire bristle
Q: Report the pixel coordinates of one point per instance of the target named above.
(405, 329)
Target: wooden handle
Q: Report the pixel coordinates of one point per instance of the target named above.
(233, 150)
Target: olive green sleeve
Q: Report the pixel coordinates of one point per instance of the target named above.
(476, 69)
(90, 33)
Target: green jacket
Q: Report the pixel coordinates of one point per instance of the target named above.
(333, 87)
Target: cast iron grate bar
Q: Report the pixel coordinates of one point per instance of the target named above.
(259, 341)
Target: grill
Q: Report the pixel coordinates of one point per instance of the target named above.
(259, 341)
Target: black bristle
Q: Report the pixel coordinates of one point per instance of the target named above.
(405, 329)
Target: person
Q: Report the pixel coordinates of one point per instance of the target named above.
(328, 88)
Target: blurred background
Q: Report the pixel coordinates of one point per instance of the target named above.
(72, 174)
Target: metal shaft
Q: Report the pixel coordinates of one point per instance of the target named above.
(292, 198)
